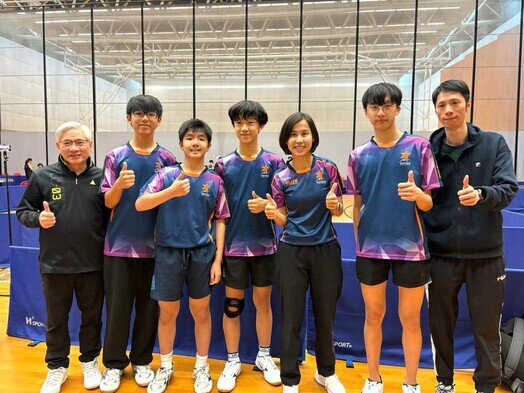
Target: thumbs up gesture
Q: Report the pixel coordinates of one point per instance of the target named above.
(180, 186)
(47, 217)
(256, 204)
(270, 208)
(408, 191)
(468, 196)
(126, 178)
(331, 197)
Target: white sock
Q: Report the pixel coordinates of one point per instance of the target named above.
(166, 360)
(233, 357)
(200, 361)
(263, 351)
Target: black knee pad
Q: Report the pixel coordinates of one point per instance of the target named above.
(232, 302)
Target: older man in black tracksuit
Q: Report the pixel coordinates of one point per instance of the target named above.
(64, 201)
(464, 230)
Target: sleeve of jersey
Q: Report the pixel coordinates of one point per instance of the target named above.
(154, 184)
(278, 192)
(168, 157)
(28, 210)
(430, 174)
(219, 168)
(352, 187)
(334, 177)
(221, 208)
(279, 163)
(108, 173)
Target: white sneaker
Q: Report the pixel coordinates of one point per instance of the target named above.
(111, 380)
(289, 389)
(441, 388)
(331, 383)
(54, 380)
(410, 388)
(373, 386)
(202, 377)
(227, 380)
(92, 376)
(160, 381)
(269, 368)
(143, 375)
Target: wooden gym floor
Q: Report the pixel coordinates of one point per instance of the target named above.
(22, 370)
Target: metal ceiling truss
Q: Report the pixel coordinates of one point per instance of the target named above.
(445, 30)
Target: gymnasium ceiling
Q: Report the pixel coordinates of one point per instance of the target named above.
(445, 29)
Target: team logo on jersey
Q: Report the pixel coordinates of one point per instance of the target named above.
(319, 175)
(205, 189)
(92, 182)
(404, 158)
(264, 171)
(290, 182)
(56, 193)
(158, 165)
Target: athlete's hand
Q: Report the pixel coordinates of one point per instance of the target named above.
(468, 196)
(216, 272)
(180, 186)
(46, 218)
(256, 204)
(409, 191)
(331, 198)
(126, 178)
(271, 208)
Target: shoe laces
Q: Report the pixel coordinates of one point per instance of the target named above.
(267, 363)
(161, 377)
(112, 375)
(90, 369)
(201, 375)
(143, 371)
(55, 376)
(444, 388)
(230, 370)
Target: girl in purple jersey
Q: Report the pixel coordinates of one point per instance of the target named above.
(306, 194)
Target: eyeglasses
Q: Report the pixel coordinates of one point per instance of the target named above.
(77, 142)
(375, 108)
(150, 115)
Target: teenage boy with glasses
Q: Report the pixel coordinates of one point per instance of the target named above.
(129, 246)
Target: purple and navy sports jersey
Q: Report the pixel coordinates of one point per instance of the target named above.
(248, 234)
(389, 227)
(185, 222)
(129, 232)
(304, 196)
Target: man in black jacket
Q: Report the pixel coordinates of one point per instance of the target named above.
(464, 230)
(64, 201)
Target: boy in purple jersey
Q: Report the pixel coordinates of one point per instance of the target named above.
(307, 194)
(189, 196)
(129, 246)
(391, 178)
(250, 240)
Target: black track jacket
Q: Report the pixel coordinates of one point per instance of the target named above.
(75, 243)
(474, 232)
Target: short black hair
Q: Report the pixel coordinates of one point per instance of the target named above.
(378, 93)
(144, 103)
(452, 85)
(194, 125)
(247, 109)
(287, 128)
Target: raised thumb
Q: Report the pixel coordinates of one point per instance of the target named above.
(465, 182)
(254, 194)
(181, 176)
(46, 207)
(270, 199)
(411, 177)
(124, 166)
